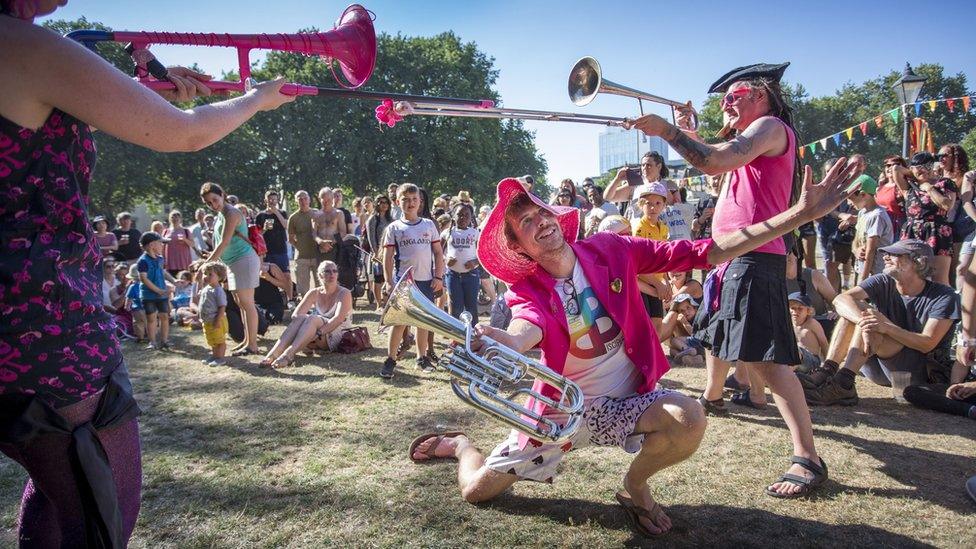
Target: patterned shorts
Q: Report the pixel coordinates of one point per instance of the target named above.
(606, 422)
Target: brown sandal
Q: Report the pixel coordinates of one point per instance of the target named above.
(438, 438)
(636, 512)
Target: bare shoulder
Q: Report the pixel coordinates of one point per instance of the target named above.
(769, 134)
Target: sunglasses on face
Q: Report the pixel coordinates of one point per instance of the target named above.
(942, 156)
(926, 166)
(731, 97)
(330, 271)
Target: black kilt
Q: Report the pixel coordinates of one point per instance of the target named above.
(752, 323)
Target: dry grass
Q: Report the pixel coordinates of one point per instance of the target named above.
(315, 456)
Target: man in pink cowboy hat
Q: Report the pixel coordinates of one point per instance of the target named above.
(579, 302)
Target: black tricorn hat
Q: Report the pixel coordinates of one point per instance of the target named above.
(759, 70)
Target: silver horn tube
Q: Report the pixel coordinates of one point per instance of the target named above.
(482, 378)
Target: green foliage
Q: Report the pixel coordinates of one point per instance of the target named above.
(818, 117)
(316, 142)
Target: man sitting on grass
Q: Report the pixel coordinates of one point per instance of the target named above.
(580, 303)
(906, 327)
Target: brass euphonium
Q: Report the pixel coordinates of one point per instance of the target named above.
(481, 378)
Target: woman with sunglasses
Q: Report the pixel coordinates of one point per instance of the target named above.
(318, 323)
(928, 200)
(889, 195)
(375, 226)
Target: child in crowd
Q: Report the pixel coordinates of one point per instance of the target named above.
(182, 289)
(153, 290)
(873, 230)
(461, 247)
(676, 330)
(810, 335)
(133, 304)
(655, 290)
(213, 311)
(412, 242)
(189, 314)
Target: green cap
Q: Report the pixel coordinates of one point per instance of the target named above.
(867, 184)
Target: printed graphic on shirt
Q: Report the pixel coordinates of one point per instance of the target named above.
(592, 333)
(412, 247)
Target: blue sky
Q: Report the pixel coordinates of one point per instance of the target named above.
(672, 49)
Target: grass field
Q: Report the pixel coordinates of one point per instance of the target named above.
(315, 455)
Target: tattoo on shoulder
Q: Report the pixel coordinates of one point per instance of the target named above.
(696, 153)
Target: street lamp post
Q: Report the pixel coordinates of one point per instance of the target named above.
(907, 88)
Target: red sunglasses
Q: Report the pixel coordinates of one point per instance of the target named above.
(730, 97)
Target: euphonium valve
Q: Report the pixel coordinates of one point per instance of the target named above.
(488, 378)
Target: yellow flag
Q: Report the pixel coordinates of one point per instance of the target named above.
(849, 132)
(932, 105)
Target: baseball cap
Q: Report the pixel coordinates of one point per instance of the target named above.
(800, 297)
(912, 247)
(681, 298)
(657, 188)
(150, 237)
(922, 158)
(867, 184)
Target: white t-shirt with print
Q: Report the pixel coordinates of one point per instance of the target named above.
(462, 244)
(870, 223)
(678, 218)
(596, 360)
(412, 247)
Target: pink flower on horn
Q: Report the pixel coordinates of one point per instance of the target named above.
(386, 113)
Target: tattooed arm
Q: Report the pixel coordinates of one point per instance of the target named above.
(764, 137)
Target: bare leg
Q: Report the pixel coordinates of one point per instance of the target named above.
(249, 314)
(280, 279)
(151, 327)
(163, 327)
(396, 334)
(833, 274)
(717, 370)
(422, 343)
(303, 336)
(674, 427)
(757, 385)
(477, 482)
(741, 374)
(667, 327)
(489, 286)
(286, 338)
(940, 269)
(961, 269)
(810, 251)
(792, 405)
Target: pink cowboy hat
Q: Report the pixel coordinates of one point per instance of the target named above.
(495, 255)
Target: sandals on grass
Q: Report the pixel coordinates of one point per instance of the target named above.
(438, 438)
(636, 512)
(806, 485)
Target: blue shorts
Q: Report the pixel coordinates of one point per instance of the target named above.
(425, 288)
(281, 260)
(153, 306)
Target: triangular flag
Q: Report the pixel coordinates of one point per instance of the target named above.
(801, 151)
(864, 128)
(965, 103)
(850, 133)
(894, 114)
(813, 147)
(823, 143)
(836, 137)
(918, 109)
(951, 103)
(932, 105)
(878, 121)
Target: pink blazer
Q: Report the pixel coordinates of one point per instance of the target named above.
(611, 264)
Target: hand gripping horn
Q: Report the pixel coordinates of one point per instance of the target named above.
(352, 43)
(481, 378)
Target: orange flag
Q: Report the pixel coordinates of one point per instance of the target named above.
(802, 149)
(878, 121)
(965, 103)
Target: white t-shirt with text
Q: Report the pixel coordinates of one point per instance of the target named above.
(411, 243)
(462, 244)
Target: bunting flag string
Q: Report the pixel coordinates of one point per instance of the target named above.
(879, 121)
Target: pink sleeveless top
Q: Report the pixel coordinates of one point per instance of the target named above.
(757, 191)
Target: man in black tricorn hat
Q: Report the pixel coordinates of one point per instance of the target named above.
(745, 315)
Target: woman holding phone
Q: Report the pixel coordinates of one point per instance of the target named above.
(628, 183)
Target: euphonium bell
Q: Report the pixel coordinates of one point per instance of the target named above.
(481, 378)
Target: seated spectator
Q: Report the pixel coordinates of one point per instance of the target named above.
(281, 279)
(811, 283)
(873, 230)
(907, 327)
(617, 224)
(810, 334)
(189, 314)
(109, 282)
(957, 399)
(683, 283)
(677, 331)
(321, 317)
(182, 289)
